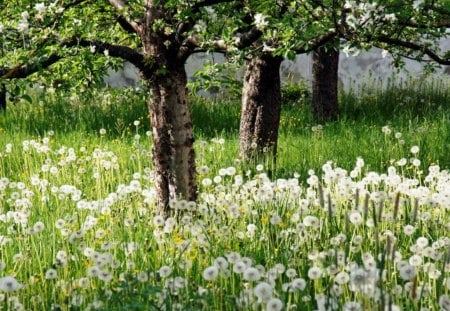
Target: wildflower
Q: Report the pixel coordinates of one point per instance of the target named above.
(51, 274)
(142, 276)
(401, 162)
(93, 271)
(210, 273)
(158, 221)
(59, 224)
(239, 267)
(263, 291)
(342, 278)
(275, 220)
(415, 260)
(386, 130)
(352, 306)
(291, 273)
(77, 300)
(409, 230)
(315, 273)
(164, 271)
(299, 284)
(102, 131)
(251, 274)
(61, 257)
(105, 276)
(274, 304)
(83, 283)
(407, 272)
(444, 302)
(38, 226)
(358, 277)
(355, 218)
(9, 284)
(414, 149)
(233, 257)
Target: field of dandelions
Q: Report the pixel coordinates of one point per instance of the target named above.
(78, 228)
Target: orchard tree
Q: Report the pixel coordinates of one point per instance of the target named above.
(265, 34)
(156, 36)
(325, 27)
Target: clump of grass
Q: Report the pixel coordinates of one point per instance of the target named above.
(355, 216)
(80, 231)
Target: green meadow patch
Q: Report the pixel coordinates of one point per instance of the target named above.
(354, 216)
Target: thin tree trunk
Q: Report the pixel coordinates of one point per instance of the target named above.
(2, 97)
(173, 152)
(261, 107)
(325, 84)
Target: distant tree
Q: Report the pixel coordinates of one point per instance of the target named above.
(326, 27)
(325, 68)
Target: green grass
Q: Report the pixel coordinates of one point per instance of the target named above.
(74, 201)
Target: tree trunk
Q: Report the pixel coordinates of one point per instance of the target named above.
(325, 84)
(173, 151)
(2, 97)
(261, 107)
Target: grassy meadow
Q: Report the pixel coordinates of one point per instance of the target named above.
(355, 215)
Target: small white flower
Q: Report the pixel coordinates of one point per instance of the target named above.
(51, 274)
(164, 271)
(142, 276)
(263, 291)
(251, 274)
(210, 273)
(415, 149)
(314, 273)
(260, 21)
(407, 272)
(40, 8)
(9, 284)
(342, 278)
(390, 17)
(444, 302)
(274, 304)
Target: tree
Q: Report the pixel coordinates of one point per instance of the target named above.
(324, 100)
(275, 38)
(261, 106)
(159, 36)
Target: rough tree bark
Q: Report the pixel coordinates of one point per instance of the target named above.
(325, 84)
(261, 107)
(173, 152)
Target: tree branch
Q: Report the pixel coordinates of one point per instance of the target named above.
(414, 46)
(113, 50)
(126, 23)
(26, 69)
(248, 38)
(317, 42)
